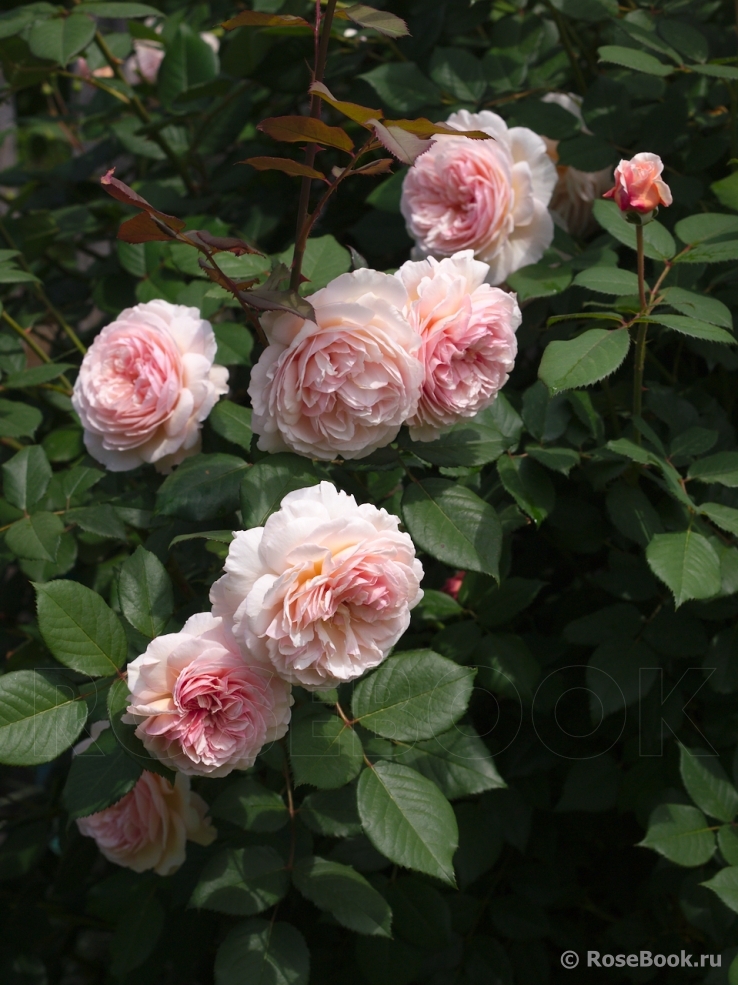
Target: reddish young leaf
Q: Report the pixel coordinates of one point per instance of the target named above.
(142, 228)
(424, 128)
(305, 129)
(378, 20)
(405, 146)
(120, 191)
(223, 244)
(254, 18)
(355, 112)
(293, 168)
(382, 166)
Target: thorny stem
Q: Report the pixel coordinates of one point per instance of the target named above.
(640, 353)
(311, 149)
(292, 812)
(566, 42)
(143, 114)
(41, 294)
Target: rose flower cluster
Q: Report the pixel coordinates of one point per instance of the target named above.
(322, 592)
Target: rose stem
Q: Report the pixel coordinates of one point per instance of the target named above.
(640, 353)
(311, 150)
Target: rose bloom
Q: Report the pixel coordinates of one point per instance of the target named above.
(639, 186)
(323, 590)
(148, 828)
(452, 586)
(199, 706)
(490, 196)
(345, 383)
(468, 333)
(146, 385)
(575, 192)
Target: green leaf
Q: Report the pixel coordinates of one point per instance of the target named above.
(235, 343)
(408, 819)
(232, 423)
(591, 785)
(528, 485)
(80, 629)
(18, 420)
(707, 783)
(724, 517)
(687, 564)
(345, 894)
(61, 38)
(725, 885)
(259, 951)
(188, 62)
(721, 468)
(608, 280)
(39, 717)
(680, 833)
(458, 762)
(506, 666)
(332, 812)
(499, 605)
(26, 477)
(202, 487)
(706, 226)
(726, 191)
(728, 843)
(558, 459)
(619, 674)
(639, 61)
(453, 524)
(694, 328)
(413, 695)
(458, 72)
(145, 592)
(249, 805)
(324, 260)
(324, 751)
(699, 306)
(267, 483)
(101, 520)
(116, 9)
(540, 280)
(402, 86)
(36, 375)
(658, 243)
(36, 537)
(242, 881)
(632, 513)
(136, 933)
(99, 777)
(584, 360)
(476, 441)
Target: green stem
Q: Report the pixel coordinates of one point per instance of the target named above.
(143, 114)
(566, 42)
(640, 353)
(641, 269)
(41, 294)
(311, 150)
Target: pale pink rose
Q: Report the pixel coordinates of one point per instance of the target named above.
(490, 196)
(345, 383)
(576, 191)
(468, 339)
(146, 385)
(639, 186)
(148, 828)
(323, 590)
(200, 707)
(145, 62)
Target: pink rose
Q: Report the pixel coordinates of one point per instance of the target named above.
(199, 706)
(323, 590)
(639, 186)
(490, 196)
(148, 828)
(468, 334)
(146, 385)
(452, 586)
(144, 63)
(343, 384)
(576, 191)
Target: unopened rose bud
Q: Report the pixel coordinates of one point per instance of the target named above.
(453, 585)
(639, 186)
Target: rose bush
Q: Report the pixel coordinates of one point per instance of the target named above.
(368, 492)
